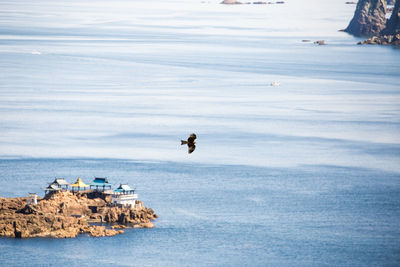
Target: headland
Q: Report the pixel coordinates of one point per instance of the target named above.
(64, 213)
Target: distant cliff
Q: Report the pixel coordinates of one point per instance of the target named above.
(369, 18)
(369, 21)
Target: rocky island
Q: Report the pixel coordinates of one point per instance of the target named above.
(66, 214)
(370, 21)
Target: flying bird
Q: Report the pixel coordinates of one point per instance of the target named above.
(190, 143)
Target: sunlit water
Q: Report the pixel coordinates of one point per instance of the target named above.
(305, 173)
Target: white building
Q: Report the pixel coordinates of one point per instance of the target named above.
(124, 195)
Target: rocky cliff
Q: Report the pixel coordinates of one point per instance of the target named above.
(391, 34)
(369, 18)
(64, 214)
(393, 24)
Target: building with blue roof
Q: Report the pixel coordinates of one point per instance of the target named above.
(100, 184)
(124, 195)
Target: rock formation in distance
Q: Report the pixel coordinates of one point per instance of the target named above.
(391, 34)
(369, 18)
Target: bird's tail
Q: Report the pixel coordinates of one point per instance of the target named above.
(183, 142)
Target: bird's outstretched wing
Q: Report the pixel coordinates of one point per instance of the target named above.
(191, 148)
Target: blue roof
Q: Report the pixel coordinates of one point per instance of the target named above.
(100, 182)
(123, 188)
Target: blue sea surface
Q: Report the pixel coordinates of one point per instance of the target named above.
(302, 174)
(228, 215)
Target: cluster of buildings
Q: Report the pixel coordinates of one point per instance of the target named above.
(123, 195)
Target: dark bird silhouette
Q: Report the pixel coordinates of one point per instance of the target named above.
(190, 143)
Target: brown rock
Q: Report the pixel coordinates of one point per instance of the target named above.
(369, 18)
(65, 215)
(144, 225)
(118, 226)
(320, 42)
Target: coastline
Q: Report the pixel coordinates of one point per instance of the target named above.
(64, 214)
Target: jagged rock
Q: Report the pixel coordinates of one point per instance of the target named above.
(66, 215)
(98, 231)
(369, 18)
(144, 225)
(320, 42)
(391, 34)
(383, 40)
(23, 226)
(118, 226)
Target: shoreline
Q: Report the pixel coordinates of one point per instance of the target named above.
(64, 214)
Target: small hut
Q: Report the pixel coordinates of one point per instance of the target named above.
(61, 183)
(100, 184)
(51, 188)
(124, 195)
(79, 184)
(124, 189)
(32, 198)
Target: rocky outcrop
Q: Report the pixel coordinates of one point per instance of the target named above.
(383, 40)
(126, 216)
(320, 42)
(369, 18)
(66, 215)
(391, 34)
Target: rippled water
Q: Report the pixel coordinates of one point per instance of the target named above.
(305, 173)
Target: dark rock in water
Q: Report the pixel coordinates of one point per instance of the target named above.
(383, 40)
(369, 18)
(231, 2)
(320, 42)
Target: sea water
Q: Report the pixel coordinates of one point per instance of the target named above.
(306, 173)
